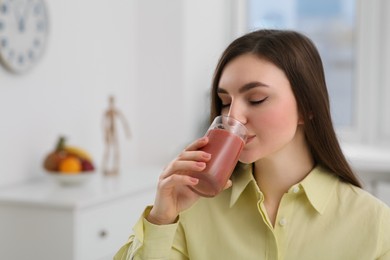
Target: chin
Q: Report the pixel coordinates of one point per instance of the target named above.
(246, 160)
(247, 157)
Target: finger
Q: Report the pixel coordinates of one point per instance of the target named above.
(177, 180)
(182, 167)
(197, 144)
(200, 156)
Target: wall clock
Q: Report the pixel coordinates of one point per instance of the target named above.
(23, 33)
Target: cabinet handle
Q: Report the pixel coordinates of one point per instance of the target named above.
(103, 233)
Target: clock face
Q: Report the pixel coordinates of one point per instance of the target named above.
(23, 33)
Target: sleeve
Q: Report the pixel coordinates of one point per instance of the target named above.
(385, 237)
(151, 241)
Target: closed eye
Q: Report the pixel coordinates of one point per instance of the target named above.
(257, 102)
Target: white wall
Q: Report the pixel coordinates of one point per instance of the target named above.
(157, 57)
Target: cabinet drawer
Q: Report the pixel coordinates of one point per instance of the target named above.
(103, 229)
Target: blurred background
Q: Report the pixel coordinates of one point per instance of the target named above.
(157, 58)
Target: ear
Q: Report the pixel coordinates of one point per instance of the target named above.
(301, 121)
(311, 115)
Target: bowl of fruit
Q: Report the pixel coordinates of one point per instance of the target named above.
(69, 165)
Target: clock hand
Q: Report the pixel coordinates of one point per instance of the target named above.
(18, 13)
(15, 9)
(21, 25)
(26, 10)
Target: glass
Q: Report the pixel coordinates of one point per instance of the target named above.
(227, 137)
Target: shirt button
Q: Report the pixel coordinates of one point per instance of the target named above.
(283, 222)
(295, 189)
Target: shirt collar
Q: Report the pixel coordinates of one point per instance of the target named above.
(318, 185)
(241, 177)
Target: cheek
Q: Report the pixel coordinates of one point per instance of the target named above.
(279, 121)
(274, 128)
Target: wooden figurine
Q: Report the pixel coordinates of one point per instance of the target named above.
(111, 157)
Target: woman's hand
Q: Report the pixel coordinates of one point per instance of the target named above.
(173, 195)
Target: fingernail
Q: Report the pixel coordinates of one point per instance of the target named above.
(194, 180)
(201, 164)
(206, 155)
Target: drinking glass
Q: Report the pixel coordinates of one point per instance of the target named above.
(227, 137)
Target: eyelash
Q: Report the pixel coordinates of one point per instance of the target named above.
(258, 102)
(254, 103)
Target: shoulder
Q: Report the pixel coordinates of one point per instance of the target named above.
(375, 214)
(361, 215)
(357, 202)
(340, 194)
(358, 197)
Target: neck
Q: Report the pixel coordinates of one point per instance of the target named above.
(276, 173)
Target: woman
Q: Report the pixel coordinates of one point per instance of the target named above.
(292, 195)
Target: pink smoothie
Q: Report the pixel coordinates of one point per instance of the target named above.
(225, 149)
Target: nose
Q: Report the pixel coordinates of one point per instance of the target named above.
(238, 112)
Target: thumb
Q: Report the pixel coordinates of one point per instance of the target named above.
(228, 184)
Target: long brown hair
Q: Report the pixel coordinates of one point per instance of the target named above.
(298, 57)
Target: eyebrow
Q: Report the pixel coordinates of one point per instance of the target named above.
(244, 88)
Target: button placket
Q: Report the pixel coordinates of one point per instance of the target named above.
(283, 222)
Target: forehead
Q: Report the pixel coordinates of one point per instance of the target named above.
(249, 67)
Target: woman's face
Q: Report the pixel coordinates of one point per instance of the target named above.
(258, 93)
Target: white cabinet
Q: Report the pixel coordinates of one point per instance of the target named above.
(43, 220)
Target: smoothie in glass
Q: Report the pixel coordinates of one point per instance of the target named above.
(227, 138)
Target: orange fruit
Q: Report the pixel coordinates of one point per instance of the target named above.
(70, 165)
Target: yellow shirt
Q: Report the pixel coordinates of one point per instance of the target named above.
(318, 218)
